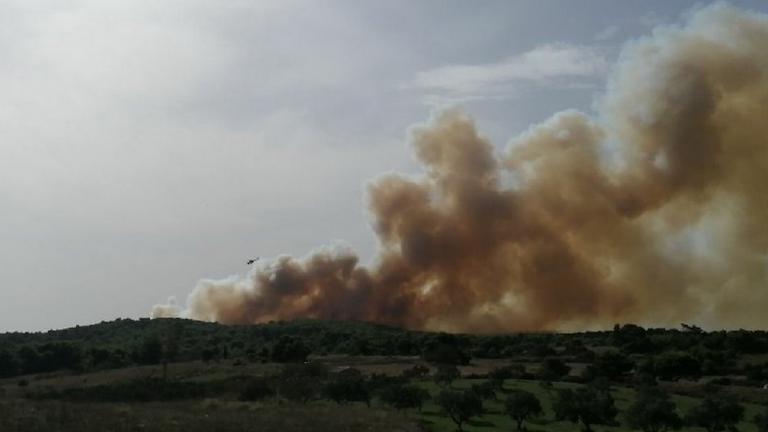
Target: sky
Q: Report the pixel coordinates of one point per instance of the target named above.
(145, 145)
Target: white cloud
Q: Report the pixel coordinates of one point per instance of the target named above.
(547, 65)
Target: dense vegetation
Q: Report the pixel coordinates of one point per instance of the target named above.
(669, 354)
(546, 378)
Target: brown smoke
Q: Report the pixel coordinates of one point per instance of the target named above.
(654, 211)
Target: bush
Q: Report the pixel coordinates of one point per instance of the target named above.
(403, 396)
(301, 382)
(417, 371)
(761, 421)
(139, 390)
(290, 350)
(257, 389)
(347, 386)
(444, 353)
(675, 365)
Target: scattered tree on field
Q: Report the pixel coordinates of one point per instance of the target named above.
(653, 411)
(522, 405)
(446, 374)
(718, 412)
(460, 406)
(585, 405)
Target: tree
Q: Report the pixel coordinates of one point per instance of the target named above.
(585, 405)
(445, 350)
(290, 350)
(347, 386)
(257, 388)
(151, 350)
(29, 359)
(521, 405)
(403, 396)
(445, 374)
(9, 366)
(170, 345)
(653, 411)
(553, 369)
(612, 364)
(301, 382)
(716, 413)
(497, 376)
(761, 421)
(460, 406)
(675, 365)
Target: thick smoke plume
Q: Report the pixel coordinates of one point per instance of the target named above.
(654, 211)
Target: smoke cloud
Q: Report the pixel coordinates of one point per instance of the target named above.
(652, 211)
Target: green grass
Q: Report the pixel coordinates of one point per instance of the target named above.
(495, 420)
(225, 414)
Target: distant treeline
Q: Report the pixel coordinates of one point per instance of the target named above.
(664, 353)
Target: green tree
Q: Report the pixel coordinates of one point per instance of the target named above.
(151, 350)
(716, 413)
(460, 406)
(585, 405)
(497, 376)
(675, 365)
(9, 366)
(403, 396)
(170, 344)
(446, 374)
(553, 369)
(290, 350)
(347, 386)
(445, 349)
(612, 364)
(521, 405)
(761, 421)
(301, 382)
(653, 411)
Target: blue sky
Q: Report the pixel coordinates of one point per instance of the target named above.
(147, 144)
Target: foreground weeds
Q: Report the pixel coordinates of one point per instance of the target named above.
(193, 416)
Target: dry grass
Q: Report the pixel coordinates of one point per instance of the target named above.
(207, 415)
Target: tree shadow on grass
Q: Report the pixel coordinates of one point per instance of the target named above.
(480, 423)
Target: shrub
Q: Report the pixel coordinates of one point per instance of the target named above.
(257, 389)
(403, 396)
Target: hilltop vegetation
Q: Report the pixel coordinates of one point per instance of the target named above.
(671, 354)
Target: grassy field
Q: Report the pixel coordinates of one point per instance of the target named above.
(19, 412)
(496, 420)
(194, 416)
